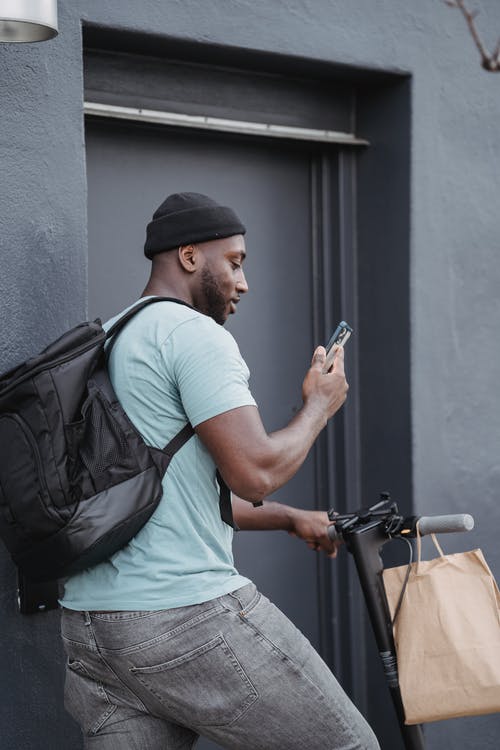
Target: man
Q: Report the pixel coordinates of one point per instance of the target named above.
(166, 641)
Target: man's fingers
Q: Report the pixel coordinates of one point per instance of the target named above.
(327, 548)
(318, 359)
(338, 362)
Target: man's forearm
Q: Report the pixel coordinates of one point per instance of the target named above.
(312, 526)
(271, 516)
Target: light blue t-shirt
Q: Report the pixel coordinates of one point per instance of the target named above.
(172, 365)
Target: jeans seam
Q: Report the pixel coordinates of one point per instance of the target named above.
(111, 707)
(164, 636)
(261, 635)
(110, 711)
(251, 604)
(124, 616)
(294, 664)
(243, 609)
(87, 646)
(113, 672)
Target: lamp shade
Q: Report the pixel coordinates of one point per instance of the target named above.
(28, 20)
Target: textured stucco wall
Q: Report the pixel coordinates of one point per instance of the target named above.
(42, 194)
(455, 273)
(42, 292)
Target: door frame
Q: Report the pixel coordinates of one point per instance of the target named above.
(361, 220)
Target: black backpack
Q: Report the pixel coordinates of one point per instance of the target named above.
(77, 481)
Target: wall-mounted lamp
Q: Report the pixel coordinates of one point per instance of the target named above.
(28, 20)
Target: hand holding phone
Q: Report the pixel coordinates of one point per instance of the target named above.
(339, 338)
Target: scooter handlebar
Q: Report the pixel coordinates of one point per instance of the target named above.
(445, 524)
(428, 525)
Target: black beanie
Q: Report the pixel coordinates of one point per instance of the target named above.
(184, 218)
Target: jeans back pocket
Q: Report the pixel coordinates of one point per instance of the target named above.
(204, 687)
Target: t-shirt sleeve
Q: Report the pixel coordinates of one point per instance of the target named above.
(208, 369)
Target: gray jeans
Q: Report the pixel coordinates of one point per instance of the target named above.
(233, 669)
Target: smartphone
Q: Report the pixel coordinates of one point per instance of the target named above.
(339, 338)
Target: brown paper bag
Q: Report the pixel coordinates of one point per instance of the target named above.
(447, 636)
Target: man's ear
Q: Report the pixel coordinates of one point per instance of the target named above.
(189, 257)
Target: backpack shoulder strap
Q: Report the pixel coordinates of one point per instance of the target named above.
(117, 328)
(126, 317)
(163, 456)
(187, 431)
(178, 440)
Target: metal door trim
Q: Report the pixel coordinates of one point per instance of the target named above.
(220, 124)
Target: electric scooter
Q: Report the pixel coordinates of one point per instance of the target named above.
(365, 532)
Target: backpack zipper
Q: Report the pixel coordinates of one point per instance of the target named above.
(96, 340)
(101, 336)
(34, 447)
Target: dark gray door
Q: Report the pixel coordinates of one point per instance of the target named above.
(130, 171)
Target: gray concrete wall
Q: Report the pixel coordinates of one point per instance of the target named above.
(455, 273)
(43, 291)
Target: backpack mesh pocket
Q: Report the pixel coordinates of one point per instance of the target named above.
(102, 455)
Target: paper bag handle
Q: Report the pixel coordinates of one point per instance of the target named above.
(408, 569)
(419, 545)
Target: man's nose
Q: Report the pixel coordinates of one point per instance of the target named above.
(241, 284)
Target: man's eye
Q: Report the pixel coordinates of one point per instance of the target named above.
(236, 265)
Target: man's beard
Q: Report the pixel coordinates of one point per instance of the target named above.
(214, 302)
